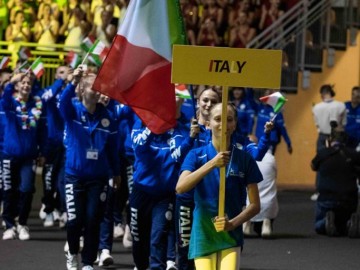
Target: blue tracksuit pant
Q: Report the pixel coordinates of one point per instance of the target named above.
(107, 222)
(53, 173)
(183, 220)
(151, 219)
(18, 189)
(85, 201)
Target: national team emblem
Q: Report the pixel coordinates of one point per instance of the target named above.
(105, 122)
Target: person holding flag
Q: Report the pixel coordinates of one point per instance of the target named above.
(270, 110)
(91, 152)
(218, 245)
(22, 148)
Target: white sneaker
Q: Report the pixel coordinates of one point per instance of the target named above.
(314, 197)
(56, 214)
(71, 261)
(97, 258)
(23, 232)
(87, 267)
(66, 247)
(170, 265)
(105, 258)
(127, 239)
(62, 220)
(81, 243)
(247, 228)
(42, 214)
(118, 231)
(9, 234)
(49, 220)
(266, 230)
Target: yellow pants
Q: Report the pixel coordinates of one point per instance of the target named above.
(228, 259)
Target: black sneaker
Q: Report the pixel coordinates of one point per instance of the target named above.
(353, 231)
(330, 224)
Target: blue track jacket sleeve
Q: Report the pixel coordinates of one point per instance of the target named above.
(52, 91)
(67, 110)
(7, 99)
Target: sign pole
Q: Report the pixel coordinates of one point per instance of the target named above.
(225, 98)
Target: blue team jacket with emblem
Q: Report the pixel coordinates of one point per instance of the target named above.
(91, 139)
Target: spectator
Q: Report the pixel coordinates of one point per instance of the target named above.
(46, 29)
(190, 15)
(55, 10)
(207, 35)
(17, 31)
(240, 32)
(270, 13)
(21, 5)
(75, 27)
(106, 31)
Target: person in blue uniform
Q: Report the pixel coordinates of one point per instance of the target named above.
(246, 113)
(53, 169)
(156, 168)
(218, 245)
(5, 76)
(185, 202)
(22, 142)
(265, 114)
(91, 152)
(352, 127)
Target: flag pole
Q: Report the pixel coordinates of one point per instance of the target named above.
(223, 145)
(86, 56)
(193, 100)
(23, 65)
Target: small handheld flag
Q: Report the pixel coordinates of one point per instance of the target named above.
(24, 53)
(4, 62)
(73, 59)
(38, 68)
(275, 100)
(181, 91)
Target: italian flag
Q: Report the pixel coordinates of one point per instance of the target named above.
(95, 49)
(73, 59)
(137, 70)
(24, 53)
(182, 92)
(4, 62)
(38, 68)
(275, 100)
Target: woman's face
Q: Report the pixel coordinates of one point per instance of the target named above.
(215, 121)
(24, 87)
(206, 101)
(19, 18)
(238, 93)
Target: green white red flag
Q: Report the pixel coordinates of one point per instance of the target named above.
(24, 53)
(137, 70)
(275, 100)
(38, 68)
(4, 62)
(182, 91)
(73, 59)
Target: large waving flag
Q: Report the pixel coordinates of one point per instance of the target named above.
(137, 70)
(275, 100)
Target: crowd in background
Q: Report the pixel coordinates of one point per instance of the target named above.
(231, 23)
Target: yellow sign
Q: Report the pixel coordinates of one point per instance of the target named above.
(226, 66)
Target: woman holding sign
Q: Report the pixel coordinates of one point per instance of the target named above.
(218, 245)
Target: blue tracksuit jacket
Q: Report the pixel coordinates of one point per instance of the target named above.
(88, 132)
